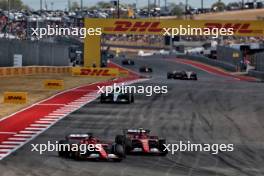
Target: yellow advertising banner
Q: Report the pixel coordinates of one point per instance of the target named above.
(53, 84)
(15, 97)
(95, 72)
(32, 70)
(123, 73)
(156, 26)
(92, 44)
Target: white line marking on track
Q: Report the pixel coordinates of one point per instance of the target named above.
(8, 133)
(40, 125)
(23, 135)
(51, 116)
(12, 142)
(17, 139)
(2, 155)
(47, 120)
(4, 150)
(30, 128)
(27, 132)
(63, 111)
(56, 114)
(8, 146)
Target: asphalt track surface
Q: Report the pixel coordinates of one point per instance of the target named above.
(214, 109)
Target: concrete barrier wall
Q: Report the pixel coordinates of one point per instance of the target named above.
(34, 53)
(257, 74)
(259, 66)
(216, 63)
(259, 59)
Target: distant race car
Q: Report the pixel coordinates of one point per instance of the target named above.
(145, 69)
(117, 97)
(140, 141)
(128, 62)
(96, 149)
(183, 75)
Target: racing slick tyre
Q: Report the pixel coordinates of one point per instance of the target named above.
(162, 148)
(128, 145)
(169, 76)
(102, 99)
(118, 150)
(63, 153)
(120, 139)
(132, 98)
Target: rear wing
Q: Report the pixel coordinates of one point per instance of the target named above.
(79, 135)
(125, 131)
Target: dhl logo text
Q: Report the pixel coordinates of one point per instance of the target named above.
(137, 26)
(242, 28)
(15, 98)
(96, 72)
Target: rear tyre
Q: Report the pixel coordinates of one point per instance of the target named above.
(102, 99)
(119, 151)
(120, 139)
(128, 145)
(162, 148)
(63, 153)
(132, 98)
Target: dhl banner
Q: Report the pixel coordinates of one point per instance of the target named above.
(95, 72)
(156, 26)
(53, 84)
(123, 73)
(92, 44)
(15, 97)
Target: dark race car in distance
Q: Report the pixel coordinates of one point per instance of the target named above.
(145, 69)
(115, 97)
(182, 75)
(128, 62)
(139, 141)
(96, 149)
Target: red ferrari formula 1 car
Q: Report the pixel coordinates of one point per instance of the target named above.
(86, 146)
(140, 141)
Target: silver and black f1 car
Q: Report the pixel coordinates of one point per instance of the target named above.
(139, 141)
(145, 69)
(87, 147)
(114, 97)
(182, 75)
(128, 62)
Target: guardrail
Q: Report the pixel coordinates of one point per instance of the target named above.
(33, 70)
(257, 74)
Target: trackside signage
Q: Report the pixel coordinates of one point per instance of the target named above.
(155, 26)
(15, 97)
(53, 84)
(95, 72)
(163, 27)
